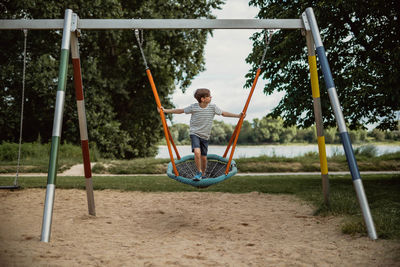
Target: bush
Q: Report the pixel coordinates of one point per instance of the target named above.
(368, 151)
(378, 135)
(393, 135)
(358, 136)
(112, 141)
(35, 152)
(9, 151)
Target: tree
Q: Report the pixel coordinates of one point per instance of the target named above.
(268, 129)
(121, 112)
(308, 135)
(287, 134)
(362, 42)
(331, 135)
(180, 133)
(220, 133)
(246, 135)
(379, 135)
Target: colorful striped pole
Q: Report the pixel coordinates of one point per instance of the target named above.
(57, 125)
(312, 62)
(351, 160)
(80, 102)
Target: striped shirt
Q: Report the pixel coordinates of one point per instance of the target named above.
(201, 119)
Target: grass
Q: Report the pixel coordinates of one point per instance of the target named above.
(307, 163)
(35, 157)
(134, 166)
(382, 192)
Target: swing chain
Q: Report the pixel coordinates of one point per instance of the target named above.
(139, 36)
(22, 108)
(267, 39)
(140, 39)
(268, 36)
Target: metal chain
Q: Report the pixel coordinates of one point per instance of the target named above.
(267, 39)
(140, 39)
(22, 109)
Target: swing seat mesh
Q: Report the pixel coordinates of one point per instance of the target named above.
(215, 173)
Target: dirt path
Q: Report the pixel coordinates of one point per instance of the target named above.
(179, 229)
(77, 170)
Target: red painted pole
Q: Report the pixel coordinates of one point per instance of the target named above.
(80, 102)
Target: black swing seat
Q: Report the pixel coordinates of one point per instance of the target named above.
(9, 187)
(215, 173)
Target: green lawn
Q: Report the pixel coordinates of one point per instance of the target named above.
(35, 158)
(383, 193)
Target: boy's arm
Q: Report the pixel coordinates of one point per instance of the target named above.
(172, 110)
(232, 115)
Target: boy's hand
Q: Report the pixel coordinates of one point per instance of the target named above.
(158, 109)
(242, 114)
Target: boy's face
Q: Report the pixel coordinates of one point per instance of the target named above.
(206, 99)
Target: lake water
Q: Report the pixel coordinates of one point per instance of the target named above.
(287, 151)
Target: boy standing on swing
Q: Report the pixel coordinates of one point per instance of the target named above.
(202, 115)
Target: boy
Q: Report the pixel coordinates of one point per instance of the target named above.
(200, 126)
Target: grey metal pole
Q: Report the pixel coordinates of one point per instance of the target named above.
(167, 24)
(351, 160)
(57, 125)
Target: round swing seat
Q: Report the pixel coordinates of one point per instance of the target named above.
(215, 173)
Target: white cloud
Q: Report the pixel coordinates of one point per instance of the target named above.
(226, 68)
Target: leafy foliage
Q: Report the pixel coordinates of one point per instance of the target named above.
(363, 48)
(121, 114)
(272, 130)
(180, 133)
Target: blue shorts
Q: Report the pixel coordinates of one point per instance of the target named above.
(201, 143)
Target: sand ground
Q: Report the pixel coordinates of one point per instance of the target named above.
(179, 229)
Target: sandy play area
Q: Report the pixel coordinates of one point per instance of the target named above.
(179, 229)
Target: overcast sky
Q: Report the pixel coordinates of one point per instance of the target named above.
(225, 55)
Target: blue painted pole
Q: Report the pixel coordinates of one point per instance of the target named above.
(344, 135)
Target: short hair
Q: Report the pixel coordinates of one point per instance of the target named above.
(201, 92)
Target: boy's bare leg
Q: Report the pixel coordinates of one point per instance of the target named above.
(197, 159)
(203, 164)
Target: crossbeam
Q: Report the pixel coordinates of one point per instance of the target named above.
(166, 24)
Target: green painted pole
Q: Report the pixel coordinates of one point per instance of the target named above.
(57, 125)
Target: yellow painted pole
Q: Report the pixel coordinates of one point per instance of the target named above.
(312, 62)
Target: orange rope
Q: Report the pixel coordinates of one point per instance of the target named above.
(173, 144)
(231, 140)
(164, 122)
(239, 126)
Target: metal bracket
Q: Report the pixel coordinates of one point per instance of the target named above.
(305, 24)
(74, 22)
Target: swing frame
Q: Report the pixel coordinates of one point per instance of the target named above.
(71, 26)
